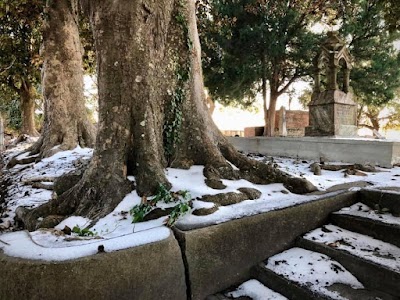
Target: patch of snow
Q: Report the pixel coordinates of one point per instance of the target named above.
(73, 221)
(360, 245)
(21, 245)
(197, 204)
(256, 291)
(314, 270)
(361, 210)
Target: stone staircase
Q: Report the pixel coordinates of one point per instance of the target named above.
(355, 256)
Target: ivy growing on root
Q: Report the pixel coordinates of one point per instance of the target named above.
(181, 198)
(182, 71)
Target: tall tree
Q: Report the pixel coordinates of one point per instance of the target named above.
(152, 112)
(20, 40)
(258, 45)
(376, 72)
(375, 76)
(66, 123)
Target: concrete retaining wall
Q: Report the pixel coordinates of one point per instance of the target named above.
(152, 271)
(380, 152)
(219, 256)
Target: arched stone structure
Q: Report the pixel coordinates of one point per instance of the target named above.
(332, 109)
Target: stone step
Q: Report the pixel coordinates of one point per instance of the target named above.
(300, 274)
(375, 263)
(372, 222)
(385, 199)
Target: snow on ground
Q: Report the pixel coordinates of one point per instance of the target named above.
(119, 222)
(382, 178)
(314, 270)
(360, 245)
(256, 291)
(361, 210)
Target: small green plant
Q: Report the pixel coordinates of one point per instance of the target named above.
(138, 212)
(182, 198)
(82, 231)
(179, 210)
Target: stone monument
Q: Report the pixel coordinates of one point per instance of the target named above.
(332, 109)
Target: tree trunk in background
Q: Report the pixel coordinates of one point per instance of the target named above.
(152, 111)
(66, 123)
(264, 96)
(28, 93)
(270, 128)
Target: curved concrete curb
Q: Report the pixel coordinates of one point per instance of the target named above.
(152, 271)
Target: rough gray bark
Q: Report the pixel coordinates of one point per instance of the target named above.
(65, 123)
(150, 78)
(28, 93)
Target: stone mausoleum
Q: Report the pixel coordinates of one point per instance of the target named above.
(332, 109)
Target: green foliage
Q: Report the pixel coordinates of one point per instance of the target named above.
(20, 38)
(245, 41)
(179, 210)
(82, 231)
(138, 212)
(392, 14)
(173, 119)
(181, 198)
(375, 77)
(13, 112)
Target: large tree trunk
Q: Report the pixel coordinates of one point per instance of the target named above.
(152, 111)
(28, 93)
(65, 123)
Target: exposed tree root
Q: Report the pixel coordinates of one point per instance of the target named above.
(40, 179)
(39, 185)
(22, 161)
(90, 197)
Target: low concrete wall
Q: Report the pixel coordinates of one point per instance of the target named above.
(219, 256)
(152, 271)
(379, 152)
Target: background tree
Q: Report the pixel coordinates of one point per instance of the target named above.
(375, 76)
(376, 72)
(20, 39)
(152, 110)
(253, 45)
(66, 123)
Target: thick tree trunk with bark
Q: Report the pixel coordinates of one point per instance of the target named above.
(28, 93)
(152, 110)
(65, 123)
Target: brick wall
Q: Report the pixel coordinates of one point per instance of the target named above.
(296, 121)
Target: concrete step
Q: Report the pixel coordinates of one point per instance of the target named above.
(385, 199)
(375, 263)
(300, 274)
(369, 221)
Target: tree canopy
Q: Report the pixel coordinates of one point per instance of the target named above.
(20, 40)
(248, 43)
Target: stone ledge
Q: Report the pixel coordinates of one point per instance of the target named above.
(384, 153)
(152, 271)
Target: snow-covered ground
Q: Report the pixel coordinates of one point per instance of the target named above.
(116, 230)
